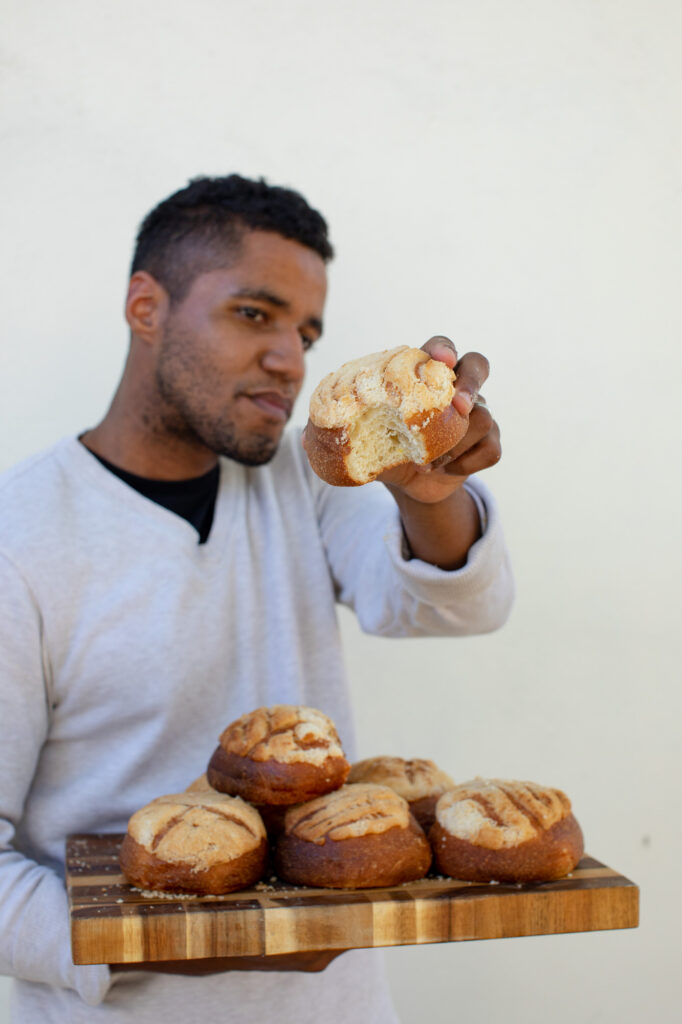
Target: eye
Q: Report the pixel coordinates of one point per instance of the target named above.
(252, 313)
(307, 342)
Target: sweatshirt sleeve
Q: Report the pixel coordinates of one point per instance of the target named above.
(395, 595)
(35, 942)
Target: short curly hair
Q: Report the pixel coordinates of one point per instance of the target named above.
(199, 228)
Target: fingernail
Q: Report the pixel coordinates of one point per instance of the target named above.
(464, 401)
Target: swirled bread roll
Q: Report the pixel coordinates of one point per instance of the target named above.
(381, 411)
(417, 780)
(359, 836)
(194, 842)
(284, 754)
(506, 831)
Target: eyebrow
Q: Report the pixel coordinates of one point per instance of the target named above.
(262, 295)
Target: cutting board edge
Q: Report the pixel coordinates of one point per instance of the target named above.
(542, 913)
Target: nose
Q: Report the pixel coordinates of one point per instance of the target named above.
(283, 357)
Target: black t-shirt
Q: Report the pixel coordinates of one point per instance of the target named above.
(193, 499)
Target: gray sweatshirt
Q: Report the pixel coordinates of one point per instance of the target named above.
(126, 647)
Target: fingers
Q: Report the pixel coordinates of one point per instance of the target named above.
(309, 962)
(316, 962)
(480, 447)
(481, 423)
(482, 454)
(472, 372)
(441, 348)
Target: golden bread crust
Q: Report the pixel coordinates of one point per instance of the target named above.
(287, 733)
(362, 836)
(270, 782)
(499, 830)
(412, 778)
(382, 411)
(195, 842)
(279, 755)
(405, 378)
(147, 871)
(418, 780)
(354, 810)
(550, 855)
(497, 813)
(328, 449)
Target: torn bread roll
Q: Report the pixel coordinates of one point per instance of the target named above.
(379, 412)
(505, 831)
(360, 836)
(284, 754)
(416, 779)
(198, 842)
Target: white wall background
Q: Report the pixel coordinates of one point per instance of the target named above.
(507, 173)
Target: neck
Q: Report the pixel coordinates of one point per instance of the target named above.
(128, 436)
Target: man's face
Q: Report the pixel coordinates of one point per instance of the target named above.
(231, 356)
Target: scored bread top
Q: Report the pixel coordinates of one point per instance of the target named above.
(413, 778)
(198, 828)
(287, 733)
(498, 814)
(357, 810)
(405, 378)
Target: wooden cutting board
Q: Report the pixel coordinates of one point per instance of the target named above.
(113, 923)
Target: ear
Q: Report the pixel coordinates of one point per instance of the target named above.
(146, 306)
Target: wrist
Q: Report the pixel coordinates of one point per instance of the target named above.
(442, 532)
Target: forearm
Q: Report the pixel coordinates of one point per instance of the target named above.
(440, 533)
(34, 921)
(34, 931)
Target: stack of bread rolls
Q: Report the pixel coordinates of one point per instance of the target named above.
(279, 792)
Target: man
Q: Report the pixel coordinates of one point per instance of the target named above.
(179, 564)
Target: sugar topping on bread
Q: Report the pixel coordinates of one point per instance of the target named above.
(380, 411)
(199, 828)
(412, 778)
(498, 814)
(354, 810)
(407, 379)
(285, 733)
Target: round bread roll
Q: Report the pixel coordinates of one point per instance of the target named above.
(506, 831)
(382, 411)
(194, 842)
(272, 814)
(200, 785)
(280, 755)
(359, 836)
(417, 780)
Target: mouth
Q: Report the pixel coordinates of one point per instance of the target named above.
(273, 403)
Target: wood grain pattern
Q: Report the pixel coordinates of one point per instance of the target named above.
(113, 923)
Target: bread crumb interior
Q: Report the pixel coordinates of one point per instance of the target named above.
(379, 440)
